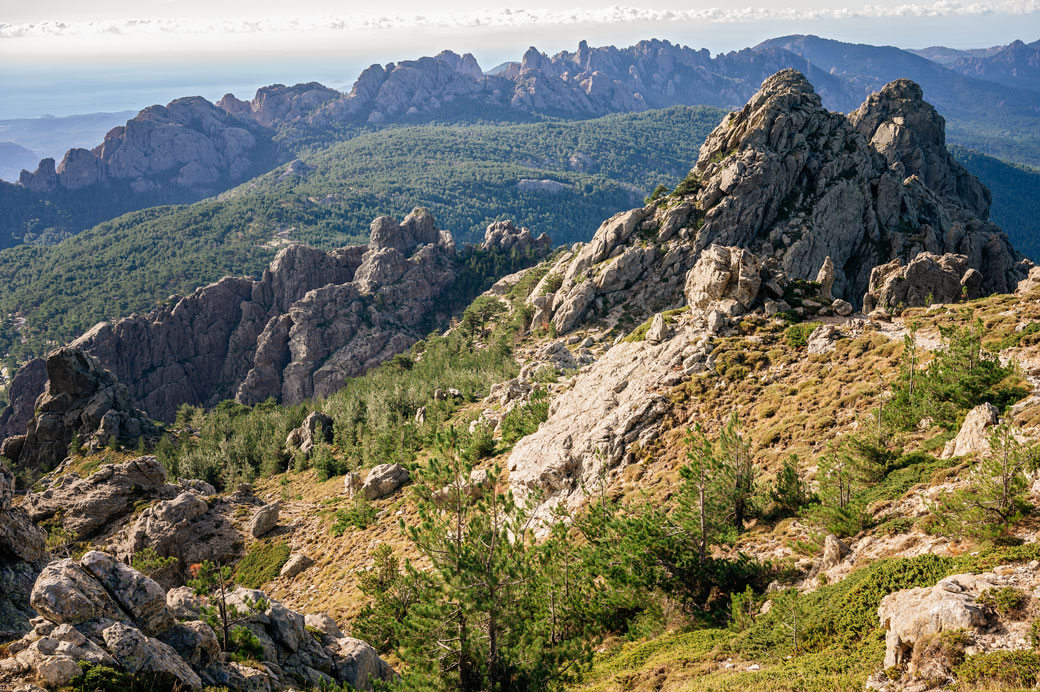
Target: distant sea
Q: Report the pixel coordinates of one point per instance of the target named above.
(31, 91)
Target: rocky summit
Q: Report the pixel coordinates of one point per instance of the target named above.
(802, 189)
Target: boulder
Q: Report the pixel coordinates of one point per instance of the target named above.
(114, 609)
(926, 279)
(140, 597)
(907, 616)
(658, 330)
(294, 565)
(186, 527)
(138, 653)
(384, 480)
(265, 519)
(23, 549)
(359, 664)
(65, 593)
(316, 427)
(834, 551)
(352, 483)
(973, 437)
(729, 276)
(822, 339)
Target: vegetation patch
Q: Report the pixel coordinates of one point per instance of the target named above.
(262, 563)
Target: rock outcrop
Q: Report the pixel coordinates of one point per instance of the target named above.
(100, 611)
(88, 505)
(973, 437)
(797, 191)
(926, 279)
(313, 319)
(907, 616)
(130, 506)
(277, 104)
(23, 547)
(189, 143)
(789, 208)
(383, 480)
(83, 401)
(316, 428)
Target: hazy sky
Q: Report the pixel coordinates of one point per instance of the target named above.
(68, 56)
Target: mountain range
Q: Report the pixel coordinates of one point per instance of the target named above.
(191, 148)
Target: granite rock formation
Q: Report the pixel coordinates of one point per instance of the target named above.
(189, 143)
(799, 186)
(83, 401)
(23, 553)
(97, 610)
(313, 319)
(787, 202)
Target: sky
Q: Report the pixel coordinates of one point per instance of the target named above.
(62, 57)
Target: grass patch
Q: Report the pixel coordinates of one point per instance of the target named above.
(261, 564)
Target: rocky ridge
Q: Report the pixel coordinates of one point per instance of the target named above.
(789, 209)
(80, 401)
(798, 186)
(189, 143)
(312, 319)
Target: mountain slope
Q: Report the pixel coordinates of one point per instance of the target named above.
(762, 482)
(1016, 197)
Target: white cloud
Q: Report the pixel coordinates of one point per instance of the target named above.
(505, 18)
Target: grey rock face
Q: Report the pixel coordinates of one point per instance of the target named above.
(81, 399)
(65, 593)
(186, 527)
(89, 504)
(294, 565)
(23, 546)
(190, 142)
(973, 437)
(907, 616)
(313, 319)
(315, 427)
(807, 194)
(102, 611)
(926, 279)
(140, 597)
(384, 480)
(278, 103)
(724, 277)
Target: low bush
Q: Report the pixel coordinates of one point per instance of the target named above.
(1000, 668)
(261, 564)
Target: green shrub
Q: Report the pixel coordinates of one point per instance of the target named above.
(797, 335)
(1000, 668)
(525, 419)
(1003, 599)
(659, 192)
(245, 645)
(261, 564)
(1034, 634)
(360, 514)
(99, 678)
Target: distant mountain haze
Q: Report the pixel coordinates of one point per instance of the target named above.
(193, 148)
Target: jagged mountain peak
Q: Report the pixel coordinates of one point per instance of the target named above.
(801, 188)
